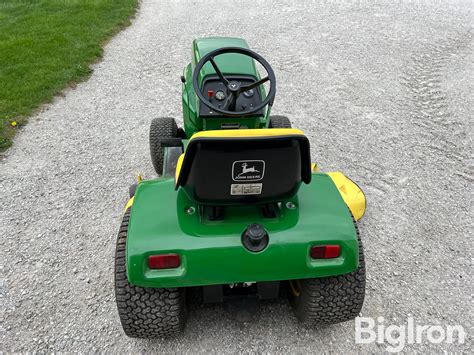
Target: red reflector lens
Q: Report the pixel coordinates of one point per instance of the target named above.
(164, 261)
(325, 251)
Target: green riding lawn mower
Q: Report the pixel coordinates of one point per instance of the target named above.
(238, 207)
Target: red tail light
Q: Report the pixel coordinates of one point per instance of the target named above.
(164, 261)
(325, 251)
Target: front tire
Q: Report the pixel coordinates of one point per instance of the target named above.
(279, 122)
(145, 312)
(161, 127)
(329, 300)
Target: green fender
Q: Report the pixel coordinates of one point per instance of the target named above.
(211, 251)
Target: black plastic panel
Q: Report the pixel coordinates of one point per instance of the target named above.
(243, 103)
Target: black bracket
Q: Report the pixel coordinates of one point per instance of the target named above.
(171, 142)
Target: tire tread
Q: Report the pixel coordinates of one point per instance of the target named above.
(277, 121)
(145, 312)
(160, 127)
(334, 299)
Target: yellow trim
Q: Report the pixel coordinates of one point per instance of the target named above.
(262, 132)
(314, 167)
(129, 203)
(295, 287)
(352, 195)
(178, 167)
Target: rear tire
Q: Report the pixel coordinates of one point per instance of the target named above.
(279, 122)
(329, 300)
(161, 127)
(145, 312)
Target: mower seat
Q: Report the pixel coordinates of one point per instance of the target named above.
(244, 166)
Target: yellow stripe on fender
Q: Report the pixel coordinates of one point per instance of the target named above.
(129, 203)
(351, 194)
(179, 164)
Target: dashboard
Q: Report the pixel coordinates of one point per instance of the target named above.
(216, 92)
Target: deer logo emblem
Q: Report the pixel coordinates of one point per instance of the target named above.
(246, 170)
(249, 170)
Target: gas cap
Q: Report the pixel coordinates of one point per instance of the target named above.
(255, 237)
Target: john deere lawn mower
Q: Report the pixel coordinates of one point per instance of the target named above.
(238, 205)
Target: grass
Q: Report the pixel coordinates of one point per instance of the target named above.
(46, 45)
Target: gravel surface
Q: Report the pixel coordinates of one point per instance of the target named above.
(384, 90)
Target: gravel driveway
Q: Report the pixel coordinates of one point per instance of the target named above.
(384, 90)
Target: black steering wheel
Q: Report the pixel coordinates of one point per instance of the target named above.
(234, 87)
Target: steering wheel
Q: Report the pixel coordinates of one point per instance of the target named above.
(234, 87)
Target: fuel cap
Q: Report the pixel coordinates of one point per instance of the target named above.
(255, 237)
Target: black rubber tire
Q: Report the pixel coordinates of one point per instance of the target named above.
(279, 122)
(132, 189)
(329, 300)
(161, 127)
(146, 312)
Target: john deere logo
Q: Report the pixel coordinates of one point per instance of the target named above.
(248, 170)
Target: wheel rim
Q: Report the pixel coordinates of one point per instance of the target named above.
(295, 287)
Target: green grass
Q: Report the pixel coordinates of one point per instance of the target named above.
(46, 45)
